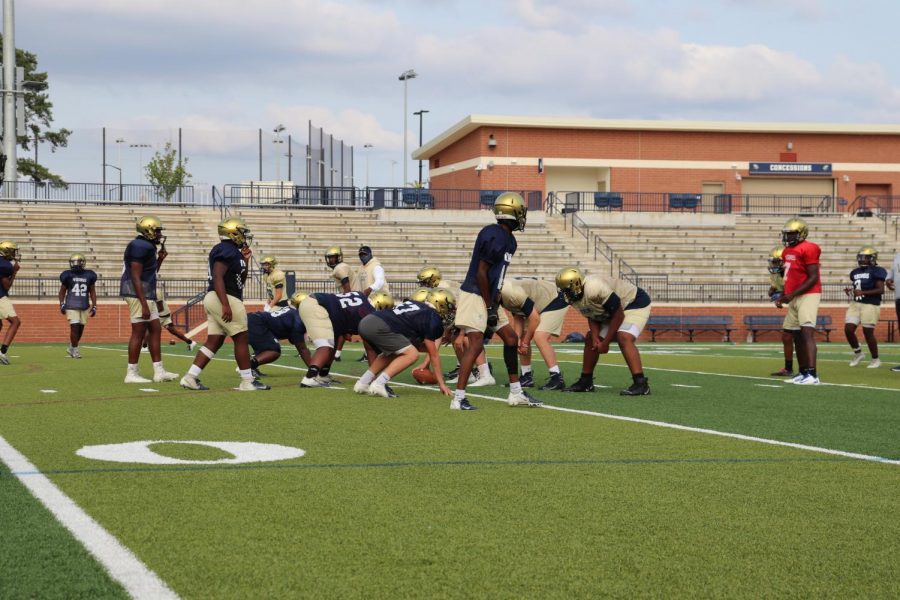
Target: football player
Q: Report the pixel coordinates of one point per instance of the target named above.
(342, 274)
(274, 280)
(479, 299)
(77, 299)
(9, 267)
(141, 262)
(802, 293)
(615, 310)
(224, 304)
(328, 317)
(865, 306)
(398, 334)
(267, 328)
(776, 287)
(538, 310)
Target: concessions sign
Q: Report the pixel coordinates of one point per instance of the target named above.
(789, 168)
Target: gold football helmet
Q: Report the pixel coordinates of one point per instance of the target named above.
(794, 231)
(420, 295)
(570, 281)
(150, 228)
(334, 256)
(236, 230)
(381, 300)
(511, 206)
(268, 263)
(775, 260)
(867, 256)
(9, 250)
(429, 277)
(77, 262)
(298, 297)
(444, 303)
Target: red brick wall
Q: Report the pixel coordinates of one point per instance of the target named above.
(41, 322)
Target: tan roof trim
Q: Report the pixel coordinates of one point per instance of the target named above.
(473, 122)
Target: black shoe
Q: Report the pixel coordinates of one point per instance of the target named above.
(582, 385)
(527, 380)
(256, 374)
(640, 388)
(555, 382)
(337, 359)
(462, 405)
(451, 374)
(391, 393)
(895, 369)
(363, 358)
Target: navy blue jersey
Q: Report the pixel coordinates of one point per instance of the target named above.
(6, 270)
(345, 310)
(866, 278)
(283, 324)
(413, 320)
(77, 284)
(139, 250)
(229, 253)
(496, 247)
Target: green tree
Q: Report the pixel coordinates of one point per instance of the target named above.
(38, 117)
(166, 173)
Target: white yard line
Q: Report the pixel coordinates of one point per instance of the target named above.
(122, 565)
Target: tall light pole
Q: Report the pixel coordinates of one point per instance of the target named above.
(366, 148)
(140, 148)
(405, 77)
(420, 113)
(10, 172)
(119, 142)
(278, 129)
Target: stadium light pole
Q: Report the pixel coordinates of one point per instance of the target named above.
(119, 142)
(366, 148)
(278, 129)
(405, 77)
(140, 148)
(10, 172)
(120, 177)
(420, 113)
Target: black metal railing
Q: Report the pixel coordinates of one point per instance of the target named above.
(98, 193)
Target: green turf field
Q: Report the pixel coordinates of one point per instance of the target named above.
(723, 483)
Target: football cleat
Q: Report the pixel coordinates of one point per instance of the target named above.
(570, 281)
(4, 360)
(522, 398)
(555, 383)
(248, 385)
(527, 379)
(192, 383)
(235, 230)
(796, 378)
(364, 358)
(794, 231)
(454, 373)
(783, 373)
(314, 382)
(874, 364)
(857, 358)
(638, 388)
(150, 228)
(429, 277)
(132, 377)
(509, 206)
(326, 380)
(808, 380)
(360, 388)
(482, 380)
(455, 379)
(461, 405)
(73, 352)
(894, 369)
(380, 389)
(582, 385)
(163, 375)
(255, 373)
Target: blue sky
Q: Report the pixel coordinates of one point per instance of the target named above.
(221, 69)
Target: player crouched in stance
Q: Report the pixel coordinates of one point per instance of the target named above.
(398, 334)
(615, 310)
(776, 288)
(267, 328)
(224, 304)
(9, 266)
(138, 286)
(865, 306)
(77, 299)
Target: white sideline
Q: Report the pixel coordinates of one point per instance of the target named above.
(736, 436)
(122, 565)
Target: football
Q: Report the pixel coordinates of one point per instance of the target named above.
(424, 376)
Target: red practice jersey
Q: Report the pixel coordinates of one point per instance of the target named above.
(796, 259)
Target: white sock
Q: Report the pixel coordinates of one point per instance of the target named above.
(526, 369)
(132, 368)
(246, 374)
(367, 378)
(158, 366)
(337, 354)
(515, 388)
(459, 394)
(383, 379)
(554, 369)
(195, 371)
(484, 370)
